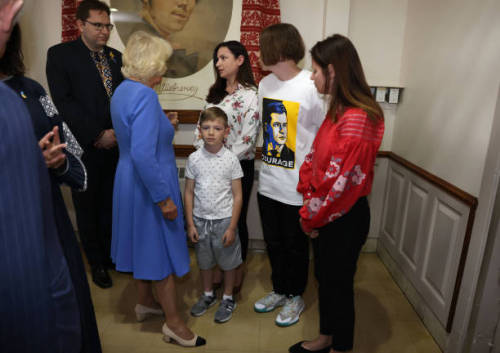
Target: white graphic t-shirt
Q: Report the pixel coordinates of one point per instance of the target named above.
(292, 112)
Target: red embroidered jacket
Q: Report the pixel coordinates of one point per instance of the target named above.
(339, 168)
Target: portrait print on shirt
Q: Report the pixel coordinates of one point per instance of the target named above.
(279, 123)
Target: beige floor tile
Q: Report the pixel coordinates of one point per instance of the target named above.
(385, 321)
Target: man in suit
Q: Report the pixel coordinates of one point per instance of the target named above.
(82, 77)
(38, 307)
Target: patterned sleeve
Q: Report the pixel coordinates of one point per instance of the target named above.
(244, 147)
(305, 176)
(74, 173)
(342, 185)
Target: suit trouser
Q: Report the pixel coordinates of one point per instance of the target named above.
(336, 252)
(94, 206)
(248, 168)
(287, 246)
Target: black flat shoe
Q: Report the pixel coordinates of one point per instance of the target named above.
(297, 348)
(101, 277)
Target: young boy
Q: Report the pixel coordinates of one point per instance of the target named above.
(212, 201)
(292, 113)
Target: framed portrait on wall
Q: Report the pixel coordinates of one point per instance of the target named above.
(193, 28)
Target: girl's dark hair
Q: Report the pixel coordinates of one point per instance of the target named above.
(217, 91)
(349, 87)
(11, 64)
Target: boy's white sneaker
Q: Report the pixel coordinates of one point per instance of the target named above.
(269, 302)
(291, 311)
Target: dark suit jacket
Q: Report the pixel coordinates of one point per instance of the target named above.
(78, 91)
(38, 306)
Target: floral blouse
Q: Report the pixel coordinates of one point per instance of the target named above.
(242, 110)
(339, 168)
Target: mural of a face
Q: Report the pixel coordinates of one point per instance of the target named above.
(169, 16)
(192, 27)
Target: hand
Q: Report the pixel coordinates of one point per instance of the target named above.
(313, 233)
(228, 237)
(52, 149)
(169, 209)
(107, 139)
(193, 234)
(174, 119)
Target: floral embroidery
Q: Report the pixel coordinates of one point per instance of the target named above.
(315, 204)
(72, 144)
(333, 169)
(358, 176)
(334, 216)
(339, 184)
(49, 107)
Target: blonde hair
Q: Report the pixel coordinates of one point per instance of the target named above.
(145, 56)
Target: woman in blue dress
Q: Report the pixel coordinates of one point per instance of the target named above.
(148, 229)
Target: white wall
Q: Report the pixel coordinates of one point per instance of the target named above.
(376, 28)
(41, 28)
(450, 71)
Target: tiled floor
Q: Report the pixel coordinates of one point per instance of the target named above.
(385, 321)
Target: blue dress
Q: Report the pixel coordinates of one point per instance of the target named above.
(143, 242)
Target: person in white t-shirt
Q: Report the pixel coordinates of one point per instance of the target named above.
(291, 112)
(212, 202)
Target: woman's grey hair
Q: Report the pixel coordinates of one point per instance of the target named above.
(145, 56)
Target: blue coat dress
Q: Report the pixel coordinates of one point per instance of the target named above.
(143, 242)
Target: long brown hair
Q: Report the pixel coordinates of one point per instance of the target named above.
(11, 64)
(217, 91)
(349, 87)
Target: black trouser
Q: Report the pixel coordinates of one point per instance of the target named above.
(246, 185)
(287, 246)
(336, 252)
(94, 206)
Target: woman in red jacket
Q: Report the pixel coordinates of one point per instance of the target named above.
(335, 179)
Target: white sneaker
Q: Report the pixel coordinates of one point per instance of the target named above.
(269, 302)
(290, 313)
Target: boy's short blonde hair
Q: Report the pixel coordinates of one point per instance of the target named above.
(213, 113)
(145, 56)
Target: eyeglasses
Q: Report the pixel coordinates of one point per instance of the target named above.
(100, 26)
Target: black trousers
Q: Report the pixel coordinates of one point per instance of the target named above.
(336, 253)
(94, 206)
(248, 167)
(287, 246)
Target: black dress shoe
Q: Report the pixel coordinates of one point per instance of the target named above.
(297, 348)
(110, 265)
(101, 277)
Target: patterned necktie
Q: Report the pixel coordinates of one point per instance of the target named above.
(104, 70)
